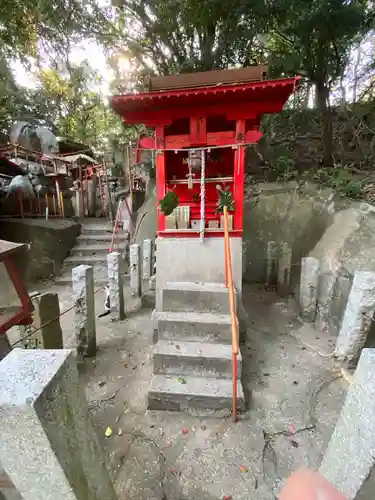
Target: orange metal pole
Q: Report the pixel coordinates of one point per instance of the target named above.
(232, 309)
(225, 257)
(62, 205)
(234, 387)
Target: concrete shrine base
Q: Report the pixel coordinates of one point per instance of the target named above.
(187, 260)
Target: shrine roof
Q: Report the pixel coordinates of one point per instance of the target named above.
(131, 106)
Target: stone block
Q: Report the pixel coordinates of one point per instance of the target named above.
(48, 447)
(349, 459)
(47, 313)
(147, 260)
(358, 316)
(84, 311)
(135, 270)
(116, 286)
(309, 288)
(284, 267)
(272, 263)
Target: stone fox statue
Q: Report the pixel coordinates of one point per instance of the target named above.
(107, 304)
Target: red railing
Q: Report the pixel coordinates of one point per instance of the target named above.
(232, 312)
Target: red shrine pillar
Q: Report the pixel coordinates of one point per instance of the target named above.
(160, 173)
(239, 174)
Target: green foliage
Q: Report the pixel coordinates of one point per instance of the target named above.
(224, 199)
(285, 168)
(175, 36)
(340, 180)
(168, 203)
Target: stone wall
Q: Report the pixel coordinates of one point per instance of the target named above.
(284, 214)
(50, 243)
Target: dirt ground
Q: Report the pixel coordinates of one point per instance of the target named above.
(293, 394)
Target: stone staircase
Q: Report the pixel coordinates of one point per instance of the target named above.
(91, 249)
(193, 353)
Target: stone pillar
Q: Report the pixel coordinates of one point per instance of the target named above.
(284, 268)
(147, 262)
(116, 285)
(84, 312)
(152, 282)
(48, 446)
(327, 293)
(78, 203)
(47, 313)
(358, 317)
(350, 459)
(135, 270)
(271, 262)
(309, 288)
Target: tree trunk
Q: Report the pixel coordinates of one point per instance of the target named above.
(307, 96)
(322, 95)
(355, 76)
(343, 92)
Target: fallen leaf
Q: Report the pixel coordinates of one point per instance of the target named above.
(108, 432)
(292, 428)
(182, 380)
(227, 497)
(101, 383)
(119, 433)
(243, 468)
(185, 430)
(294, 444)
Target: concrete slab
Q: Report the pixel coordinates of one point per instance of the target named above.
(194, 327)
(169, 393)
(195, 359)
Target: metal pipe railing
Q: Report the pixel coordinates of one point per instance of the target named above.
(232, 311)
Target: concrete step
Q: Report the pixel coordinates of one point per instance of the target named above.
(88, 260)
(193, 327)
(168, 393)
(83, 250)
(195, 359)
(97, 229)
(190, 296)
(90, 239)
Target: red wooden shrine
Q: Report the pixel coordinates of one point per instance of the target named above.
(223, 117)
